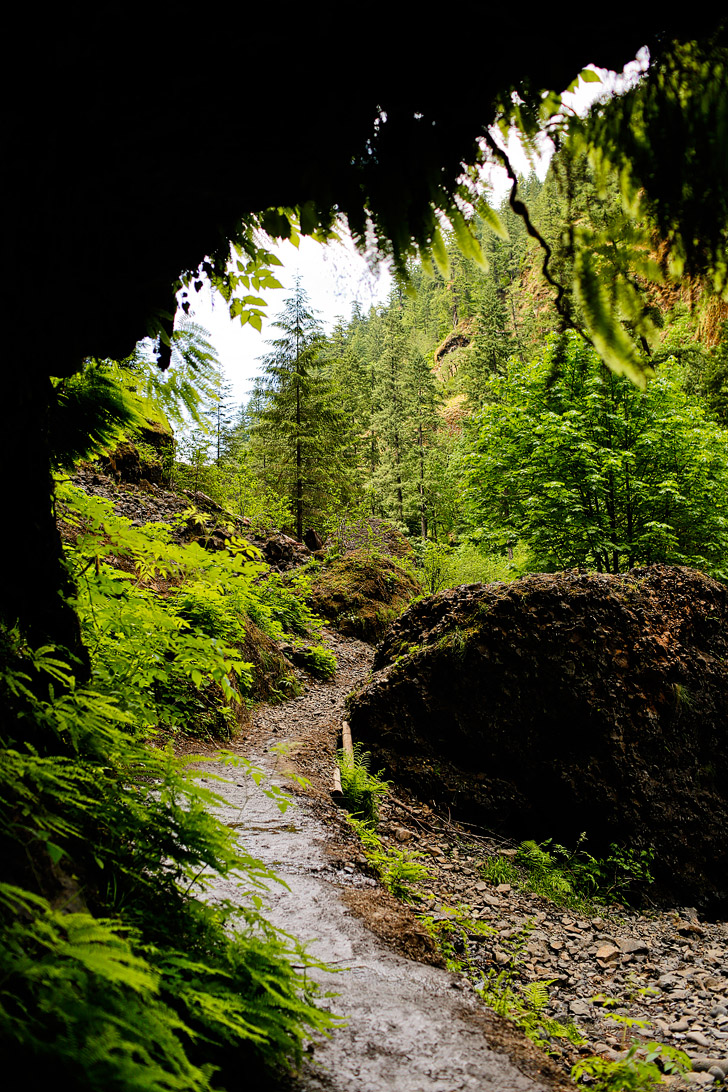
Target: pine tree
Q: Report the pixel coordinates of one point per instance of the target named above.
(389, 417)
(422, 400)
(300, 430)
(220, 414)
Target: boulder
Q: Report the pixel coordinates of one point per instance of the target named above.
(567, 703)
(283, 552)
(361, 593)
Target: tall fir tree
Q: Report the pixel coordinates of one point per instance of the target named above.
(300, 430)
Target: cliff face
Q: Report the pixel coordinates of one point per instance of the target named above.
(567, 703)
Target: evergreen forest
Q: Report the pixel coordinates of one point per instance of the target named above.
(546, 388)
(464, 413)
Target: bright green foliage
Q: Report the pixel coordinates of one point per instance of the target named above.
(452, 934)
(526, 1007)
(320, 661)
(589, 470)
(573, 877)
(500, 869)
(362, 789)
(638, 1071)
(400, 871)
(172, 660)
(191, 379)
(92, 411)
(524, 1004)
(441, 566)
(284, 597)
(680, 105)
(153, 655)
(113, 972)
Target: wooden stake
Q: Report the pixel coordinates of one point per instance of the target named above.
(346, 741)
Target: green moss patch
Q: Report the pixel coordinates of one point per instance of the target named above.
(361, 594)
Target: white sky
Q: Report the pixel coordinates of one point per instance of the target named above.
(335, 276)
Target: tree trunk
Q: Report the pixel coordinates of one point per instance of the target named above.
(299, 468)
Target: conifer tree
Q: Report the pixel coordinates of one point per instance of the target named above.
(422, 400)
(300, 431)
(389, 417)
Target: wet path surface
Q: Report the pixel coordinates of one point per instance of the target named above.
(411, 1027)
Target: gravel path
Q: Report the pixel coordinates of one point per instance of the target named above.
(667, 970)
(411, 1022)
(412, 1026)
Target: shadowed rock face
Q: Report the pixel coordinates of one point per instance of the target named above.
(567, 703)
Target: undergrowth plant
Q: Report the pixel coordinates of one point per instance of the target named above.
(320, 661)
(362, 790)
(171, 617)
(525, 1004)
(452, 935)
(115, 972)
(573, 878)
(640, 1070)
(400, 871)
(642, 1064)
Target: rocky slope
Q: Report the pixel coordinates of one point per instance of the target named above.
(567, 703)
(362, 593)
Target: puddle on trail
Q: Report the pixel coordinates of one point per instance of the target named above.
(409, 1027)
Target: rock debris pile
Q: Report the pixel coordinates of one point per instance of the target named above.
(606, 966)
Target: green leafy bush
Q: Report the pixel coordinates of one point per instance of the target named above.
(321, 661)
(442, 566)
(632, 1073)
(113, 970)
(573, 877)
(500, 869)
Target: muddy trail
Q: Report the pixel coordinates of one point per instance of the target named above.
(411, 1024)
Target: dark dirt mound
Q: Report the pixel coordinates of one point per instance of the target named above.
(362, 593)
(569, 703)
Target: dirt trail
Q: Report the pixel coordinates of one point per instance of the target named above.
(412, 1027)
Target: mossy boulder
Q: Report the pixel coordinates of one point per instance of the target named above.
(362, 593)
(566, 703)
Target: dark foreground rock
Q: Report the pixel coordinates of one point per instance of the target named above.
(568, 703)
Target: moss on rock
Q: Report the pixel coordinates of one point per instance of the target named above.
(362, 593)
